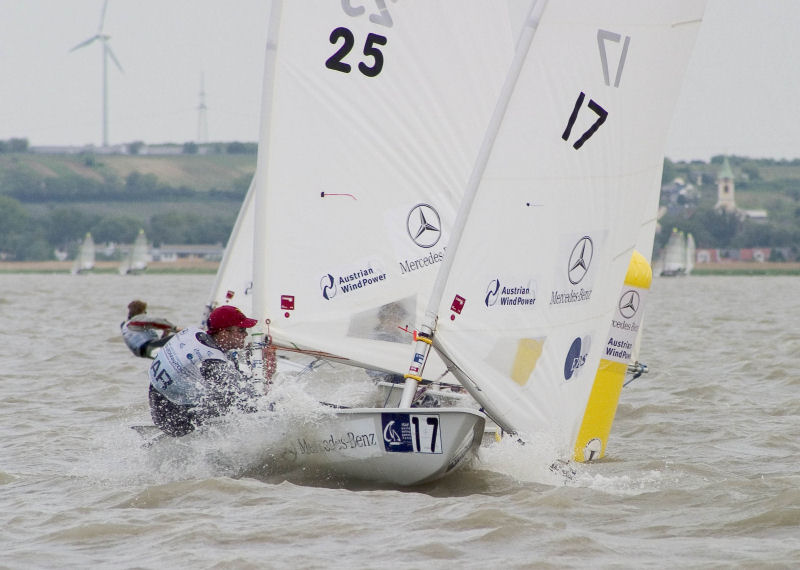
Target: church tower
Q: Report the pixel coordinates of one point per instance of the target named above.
(725, 188)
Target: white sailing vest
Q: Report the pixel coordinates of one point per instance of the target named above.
(136, 336)
(176, 372)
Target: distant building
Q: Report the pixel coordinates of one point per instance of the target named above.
(678, 195)
(748, 254)
(726, 188)
(207, 252)
(726, 200)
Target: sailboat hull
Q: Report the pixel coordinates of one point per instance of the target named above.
(399, 446)
(391, 447)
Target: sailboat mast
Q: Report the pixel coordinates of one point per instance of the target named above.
(423, 340)
(262, 165)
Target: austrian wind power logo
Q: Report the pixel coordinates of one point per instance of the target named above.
(328, 286)
(491, 292)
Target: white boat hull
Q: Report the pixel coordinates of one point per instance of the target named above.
(397, 446)
(384, 446)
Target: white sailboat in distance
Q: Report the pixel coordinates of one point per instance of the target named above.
(136, 260)
(84, 261)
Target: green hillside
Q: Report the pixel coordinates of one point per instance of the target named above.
(198, 172)
(48, 202)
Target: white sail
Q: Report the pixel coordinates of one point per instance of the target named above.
(675, 254)
(136, 260)
(84, 261)
(372, 121)
(234, 280)
(691, 249)
(525, 309)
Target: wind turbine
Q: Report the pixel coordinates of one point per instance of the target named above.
(107, 53)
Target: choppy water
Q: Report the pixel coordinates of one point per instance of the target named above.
(702, 469)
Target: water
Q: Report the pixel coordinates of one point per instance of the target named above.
(702, 469)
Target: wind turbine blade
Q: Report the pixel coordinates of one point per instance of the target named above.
(102, 18)
(85, 43)
(110, 53)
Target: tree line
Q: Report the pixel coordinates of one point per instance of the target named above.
(26, 236)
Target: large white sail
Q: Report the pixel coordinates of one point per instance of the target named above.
(525, 309)
(234, 281)
(372, 121)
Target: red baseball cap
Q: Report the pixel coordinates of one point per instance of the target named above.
(228, 316)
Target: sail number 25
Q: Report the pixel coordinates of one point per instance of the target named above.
(337, 61)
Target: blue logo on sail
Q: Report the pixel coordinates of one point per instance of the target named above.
(328, 286)
(576, 357)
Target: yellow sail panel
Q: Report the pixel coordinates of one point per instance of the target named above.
(604, 397)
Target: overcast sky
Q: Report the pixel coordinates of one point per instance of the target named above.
(740, 95)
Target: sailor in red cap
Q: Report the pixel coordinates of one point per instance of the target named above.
(194, 377)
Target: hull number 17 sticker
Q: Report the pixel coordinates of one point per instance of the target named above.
(411, 433)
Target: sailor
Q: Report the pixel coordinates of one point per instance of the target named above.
(391, 326)
(144, 334)
(195, 376)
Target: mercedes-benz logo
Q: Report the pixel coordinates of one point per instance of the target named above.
(328, 286)
(629, 303)
(580, 259)
(424, 226)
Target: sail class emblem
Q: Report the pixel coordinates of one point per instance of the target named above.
(390, 435)
(629, 304)
(424, 225)
(580, 259)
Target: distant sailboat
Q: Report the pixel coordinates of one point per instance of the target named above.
(136, 261)
(84, 261)
(690, 253)
(678, 254)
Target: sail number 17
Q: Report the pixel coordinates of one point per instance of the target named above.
(602, 114)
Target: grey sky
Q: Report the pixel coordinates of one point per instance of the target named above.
(740, 95)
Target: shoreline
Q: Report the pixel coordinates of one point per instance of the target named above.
(210, 267)
(111, 267)
(764, 268)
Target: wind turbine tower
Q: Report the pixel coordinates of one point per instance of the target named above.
(202, 122)
(107, 53)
